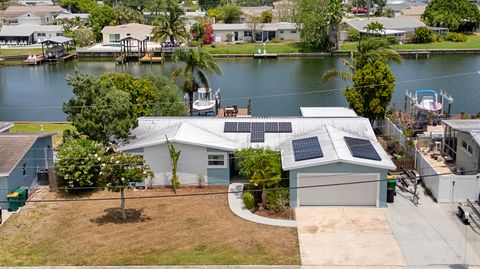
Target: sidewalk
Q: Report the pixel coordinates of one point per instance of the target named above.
(235, 203)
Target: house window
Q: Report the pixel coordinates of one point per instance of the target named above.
(59, 34)
(41, 34)
(281, 31)
(293, 31)
(24, 169)
(247, 33)
(114, 38)
(467, 147)
(217, 160)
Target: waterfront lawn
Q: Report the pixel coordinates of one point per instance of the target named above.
(473, 42)
(251, 48)
(26, 52)
(48, 127)
(169, 231)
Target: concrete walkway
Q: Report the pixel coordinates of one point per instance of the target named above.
(235, 202)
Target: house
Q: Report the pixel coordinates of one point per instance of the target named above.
(190, 17)
(314, 150)
(393, 26)
(22, 156)
(38, 14)
(26, 34)
(36, 2)
(265, 31)
(253, 12)
(113, 34)
(413, 11)
(461, 142)
(82, 17)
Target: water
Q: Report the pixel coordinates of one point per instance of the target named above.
(276, 87)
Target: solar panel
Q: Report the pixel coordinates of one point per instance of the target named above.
(271, 127)
(362, 148)
(244, 127)
(284, 127)
(257, 137)
(306, 149)
(258, 127)
(230, 127)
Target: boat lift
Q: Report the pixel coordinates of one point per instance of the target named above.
(420, 110)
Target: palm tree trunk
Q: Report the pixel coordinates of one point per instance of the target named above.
(172, 40)
(190, 102)
(122, 204)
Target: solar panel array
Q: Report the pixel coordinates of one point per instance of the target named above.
(257, 129)
(362, 148)
(306, 149)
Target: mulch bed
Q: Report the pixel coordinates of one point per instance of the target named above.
(288, 214)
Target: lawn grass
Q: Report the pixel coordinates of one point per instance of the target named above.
(26, 52)
(169, 231)
(473, 42)
(35, 127)
(250, 48)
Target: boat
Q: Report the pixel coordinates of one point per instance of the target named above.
(427, 101)
(205, 101)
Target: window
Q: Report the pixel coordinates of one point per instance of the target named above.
(293, 31)
(114, 38)
(24, 169)
(247, 33)
(59, 34)
(281, 31)
(217, 160)
(467, 147)
(41, 34)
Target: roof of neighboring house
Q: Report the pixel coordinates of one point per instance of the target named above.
(5, 126)
(246, 26)
(69, 16)
(256, 11)
(58, 40)
(28, 29)
(209, 132)
(414, 10)
(388, 23)
(468, 126)
(327, 112)
(13, 147)
(40, 10)
(130, 28)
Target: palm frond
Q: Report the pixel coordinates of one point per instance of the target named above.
(333, 73)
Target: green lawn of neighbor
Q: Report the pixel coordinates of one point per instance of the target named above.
(11, 52)
(473, 42)
(35, 127)
(250, 48)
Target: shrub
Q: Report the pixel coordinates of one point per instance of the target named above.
(353, 35)
(392, 40)
(248, 200)
(195, 43)
(424, 35)
(456, 37)
(278, 200)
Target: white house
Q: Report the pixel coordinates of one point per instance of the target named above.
(265, 31)
(328, 146)
(26, 34)
(113, 34)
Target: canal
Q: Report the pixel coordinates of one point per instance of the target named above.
(275, 87)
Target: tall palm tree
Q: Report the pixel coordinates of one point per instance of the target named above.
(171, 24)
(335, 14)
(197, 65)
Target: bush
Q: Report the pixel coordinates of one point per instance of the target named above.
(456, 37)
(353, 35)
(278, 200)
(195, 43)
(424, 35)
(248, 200)
(392, 40)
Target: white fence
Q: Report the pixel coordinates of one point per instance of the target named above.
(390, 130)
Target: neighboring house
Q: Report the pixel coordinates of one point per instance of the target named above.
(315, 150)
(35, 2)
(414, 11)
(38, 14)
(403, 25)
(113, 34)
(284, 10)
(397, 6)
(82, 17)
(21, 157)
(461, 141)
(5, 126)
(253, 12)
(265, 31)
(191, 17)
(26, 34)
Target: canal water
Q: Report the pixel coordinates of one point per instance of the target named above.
(275, 87)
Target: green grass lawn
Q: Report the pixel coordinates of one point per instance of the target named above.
(473, 42)
(11, 52)
(250, 48)
(35, 127)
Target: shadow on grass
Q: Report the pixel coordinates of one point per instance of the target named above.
(76, 194)
(113, 215)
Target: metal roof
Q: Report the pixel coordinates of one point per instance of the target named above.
(5, 126)
(82, 16)
(388, 23)
(247, 27)
(463, 125)
(58, 40)
(28, 29)
(327, 112)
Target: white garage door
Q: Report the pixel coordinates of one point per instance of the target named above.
(361, 194)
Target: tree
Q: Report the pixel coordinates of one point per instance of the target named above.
(458, 15)
(126, 15)
(230, 13)
(138, 5)
(78, 6)
(312, 16)
(156, 6)
(171, 24)
(255, 26)
(121, 171)
(100, 17)
(82, 36)
(334, 16)
(197, 65)
(208, 35)
(374, 28)
(209, 4)
(78, 163)
(424, 35)
(197, 31)
(266, 16)
(263, 167)
(168, 101)
(174, 156)
(381, 4)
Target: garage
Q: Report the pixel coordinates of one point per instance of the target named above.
(351, 194)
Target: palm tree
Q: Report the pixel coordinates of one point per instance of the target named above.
(334, 15)
(374, 28)
(171, 24)
(197, 65)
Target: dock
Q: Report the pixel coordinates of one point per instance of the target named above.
(34, 61)
(152, 59)
(265, 55)
(225, 112)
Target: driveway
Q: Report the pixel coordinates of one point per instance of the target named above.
(428, 235)
(346, 236)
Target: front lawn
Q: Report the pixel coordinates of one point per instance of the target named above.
(26, 52)
(35, 127)
(251, 48)
(167, 231)
(473, 42)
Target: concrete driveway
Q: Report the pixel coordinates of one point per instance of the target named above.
(346, 236)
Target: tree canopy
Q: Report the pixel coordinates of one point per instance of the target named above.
(170, 24)
(312, 15)
(458, 15)
(209, 4)
(230, 13)
(100, 17)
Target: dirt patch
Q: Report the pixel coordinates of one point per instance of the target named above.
(197, 229)
(288, 214)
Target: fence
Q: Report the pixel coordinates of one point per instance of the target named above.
(389, 129)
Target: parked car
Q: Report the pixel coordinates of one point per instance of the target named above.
(359, 10)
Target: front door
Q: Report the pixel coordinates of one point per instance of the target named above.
(235, 36)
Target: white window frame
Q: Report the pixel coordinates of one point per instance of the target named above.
(225, 160)
(468, 149)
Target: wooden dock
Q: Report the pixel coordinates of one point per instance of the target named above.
(35, 61)
(152, 59)
(242, 112)
(265, 55)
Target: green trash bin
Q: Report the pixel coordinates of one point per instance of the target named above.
(22, 197)
(13, 203)
(391, 183)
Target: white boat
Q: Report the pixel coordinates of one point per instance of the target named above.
(205, 100)
(427, 101)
